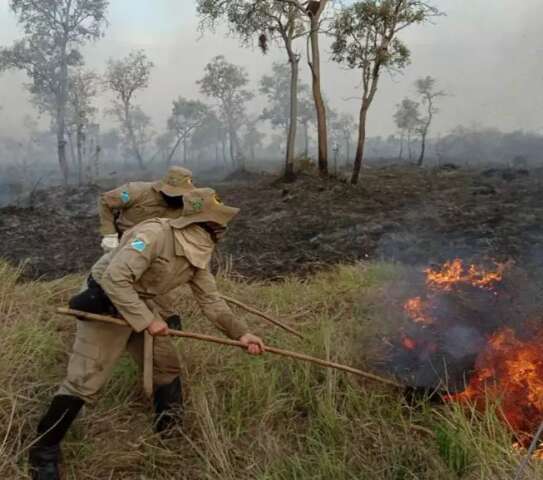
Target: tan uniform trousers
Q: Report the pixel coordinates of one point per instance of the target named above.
(97, 348)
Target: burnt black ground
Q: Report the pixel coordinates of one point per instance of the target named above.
(415, 216)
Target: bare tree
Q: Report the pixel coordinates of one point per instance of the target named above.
(226, 83)
(426, 89)
(54, 30)
(187, 116)
(314, 11)
(211, 135)
(344, 127)
(82, 89)
(366, 39)
(253, 139)
(408, 120)
(142, 133)
(277, 88)
(267, 20)
(306, 116)
(124, 78)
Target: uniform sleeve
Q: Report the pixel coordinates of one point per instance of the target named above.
(214, 307)
(165, 304)
(126, 268)
(118, 199)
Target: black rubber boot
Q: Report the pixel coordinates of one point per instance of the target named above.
(45, 453)
(168, 401)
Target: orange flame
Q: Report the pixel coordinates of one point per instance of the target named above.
(538, 454)
(511, 371)
(454, 273)
(416, 309)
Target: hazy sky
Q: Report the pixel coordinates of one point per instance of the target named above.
(488, 54)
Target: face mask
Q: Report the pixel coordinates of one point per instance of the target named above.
(173, 202)
(216, 231)
(219, 232)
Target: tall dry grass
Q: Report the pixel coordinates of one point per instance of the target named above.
(246, 418)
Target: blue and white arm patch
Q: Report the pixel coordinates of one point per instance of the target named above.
(138, 245)
(125, 197)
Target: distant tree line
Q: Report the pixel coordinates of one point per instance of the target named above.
(365, 38)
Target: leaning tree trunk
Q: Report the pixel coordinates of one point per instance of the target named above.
(361, 142)
(315, 67)
(422, 148)
(185, 153)
(424, 135)
(172, 151)
(425, 130)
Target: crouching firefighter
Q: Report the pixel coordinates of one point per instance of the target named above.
(153, 258)
(124, 207)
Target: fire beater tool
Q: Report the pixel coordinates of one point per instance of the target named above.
(233, 343)
(265, 316)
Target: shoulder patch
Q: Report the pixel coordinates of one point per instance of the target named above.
(138, 245)
(125, 197)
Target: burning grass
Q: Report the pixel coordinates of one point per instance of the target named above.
(266, 418)
(510, 370)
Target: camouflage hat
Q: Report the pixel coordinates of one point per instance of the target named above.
(202, 205)
(176, 183)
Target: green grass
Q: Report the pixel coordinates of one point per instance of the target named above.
(262, 418)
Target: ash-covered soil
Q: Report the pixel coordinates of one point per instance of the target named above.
(405, 214)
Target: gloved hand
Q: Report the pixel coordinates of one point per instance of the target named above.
(110, 242)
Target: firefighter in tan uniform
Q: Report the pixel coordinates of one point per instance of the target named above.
(152, 259)
(135, 202)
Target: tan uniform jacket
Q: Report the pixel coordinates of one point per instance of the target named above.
(150, 262)
(134, 202)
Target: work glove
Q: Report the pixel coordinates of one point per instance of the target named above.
(110, 242)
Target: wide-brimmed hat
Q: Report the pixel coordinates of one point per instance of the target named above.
(202, 205)
(176, 183)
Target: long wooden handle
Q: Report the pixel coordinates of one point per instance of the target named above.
(263, 315)
(234, 343)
